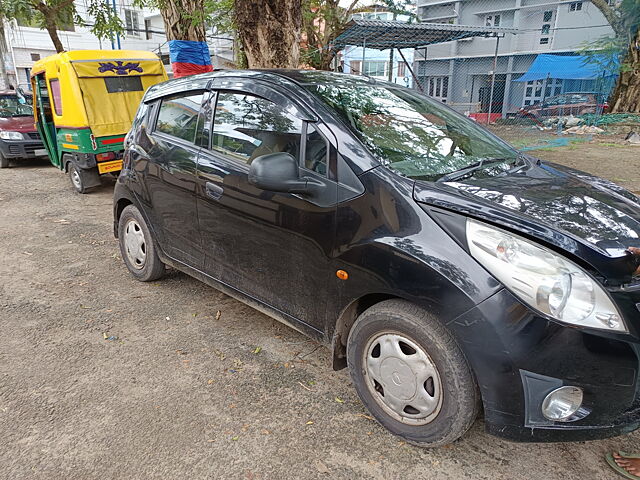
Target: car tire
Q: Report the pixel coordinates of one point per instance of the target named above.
(425, 391)
(137, 246)
(76, 175)
(4, 161)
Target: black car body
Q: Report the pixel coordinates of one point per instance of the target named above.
(356, 231)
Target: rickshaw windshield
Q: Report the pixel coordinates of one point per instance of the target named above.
(14, 106)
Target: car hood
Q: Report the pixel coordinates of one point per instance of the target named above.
(560, 205)
(17, 124)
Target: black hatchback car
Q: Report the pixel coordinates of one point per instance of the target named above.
(447, 270)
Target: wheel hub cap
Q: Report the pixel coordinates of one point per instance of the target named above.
(403, 379)
(134, 244)
(75, 178)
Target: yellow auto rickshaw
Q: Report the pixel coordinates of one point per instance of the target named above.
(84, 103)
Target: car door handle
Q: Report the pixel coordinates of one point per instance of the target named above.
(213, 191)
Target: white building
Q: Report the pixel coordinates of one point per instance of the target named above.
(144, 30)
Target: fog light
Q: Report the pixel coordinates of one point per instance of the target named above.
(561, 404)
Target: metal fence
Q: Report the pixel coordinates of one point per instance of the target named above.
(537, 70)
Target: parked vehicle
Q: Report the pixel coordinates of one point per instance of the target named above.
(19, 139)
(85, 137)
(444, 268)
(574, 103)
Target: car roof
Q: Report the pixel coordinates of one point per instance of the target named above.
(282, 76)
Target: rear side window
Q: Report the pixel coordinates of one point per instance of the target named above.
(178, 116)
(123, 84)
(54, 84)
(246, 127)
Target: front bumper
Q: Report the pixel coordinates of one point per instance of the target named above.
(22, 148)
(506, 343)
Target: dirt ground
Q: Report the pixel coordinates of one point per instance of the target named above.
(102, 377)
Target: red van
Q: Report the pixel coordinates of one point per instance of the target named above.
(18, 136)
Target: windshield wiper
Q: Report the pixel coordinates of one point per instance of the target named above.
(469, 169)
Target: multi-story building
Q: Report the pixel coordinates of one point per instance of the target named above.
(144, 30)
(460, 72)
(376, 63)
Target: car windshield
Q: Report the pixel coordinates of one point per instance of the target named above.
(410, 133)
(13, 106)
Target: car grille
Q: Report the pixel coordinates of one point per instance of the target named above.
(34, 135)
(14, 149)
(30, 149)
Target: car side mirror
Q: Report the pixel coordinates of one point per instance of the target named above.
(277, 172)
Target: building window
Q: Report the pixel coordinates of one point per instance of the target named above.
(35, 57)
(131, 24)
(575, 6)
(147, 29)
(355, 67)
(537, 90)
(547, 16)
(438, 88)
(544, 41)
(374, 68)
(54, 85)
(492, 20)
(402, 69)
(546, 28)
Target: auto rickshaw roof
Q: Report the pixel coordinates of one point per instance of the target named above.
(88, 55)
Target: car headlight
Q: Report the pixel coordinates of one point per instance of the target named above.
(11, 136)
(541, 278)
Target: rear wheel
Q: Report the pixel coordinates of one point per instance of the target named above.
(137, 247)
(410, 373)
(4, 161)
(76, 175)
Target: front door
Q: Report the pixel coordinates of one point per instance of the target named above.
(171, 176)
(274, 247)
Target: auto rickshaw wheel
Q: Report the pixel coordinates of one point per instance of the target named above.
(78, 178)
(4, 161)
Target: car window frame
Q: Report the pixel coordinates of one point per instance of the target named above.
(303, 150)
(300, 114)
(156, 114)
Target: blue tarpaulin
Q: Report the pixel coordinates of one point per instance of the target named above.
(570, 67)
(189, 57)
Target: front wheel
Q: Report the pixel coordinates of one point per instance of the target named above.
(411, 375)
(137, 247)
(4, 161)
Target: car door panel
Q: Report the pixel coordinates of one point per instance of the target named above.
(171, 185)
(271, 246)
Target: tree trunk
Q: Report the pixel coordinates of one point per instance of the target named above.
(3, 55)
(53, 33)
(180, 20)
(626, 95)
(270, 32)
(50, 16)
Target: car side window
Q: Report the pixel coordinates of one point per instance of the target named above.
(246, 126)
(178, 116)
(316, 151)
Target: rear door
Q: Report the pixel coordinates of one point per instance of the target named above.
(274, 247)
(169, 167)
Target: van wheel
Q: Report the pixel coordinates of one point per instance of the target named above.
(411, 375)
(76, 175)
(137, 248)
(4, 161)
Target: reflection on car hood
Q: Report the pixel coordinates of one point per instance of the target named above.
(588, 209)
(18, 124)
